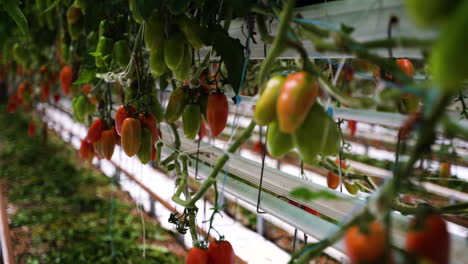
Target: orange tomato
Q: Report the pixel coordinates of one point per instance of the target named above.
(131, 136)
(108, 141)
(66, 78)
(86, 89)
(366, 247)
(95, 131)
(86, 150)
(406, 66)
(123, 112)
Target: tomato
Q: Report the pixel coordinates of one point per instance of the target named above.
(135, 11)
(203, 102)
(191, 119)
(406, 66)
(445, 171)
(86, 150)
(351, 187)
(31, 129)
(153, 152)
(258, 147)
(217, 112)
(221, 252)
(317, 135)
(266, 105)
(97, 147)
(86, 89)
(202, 132)
(429, 239)
(184, 70)
(191, 30)
(73, 14)
(147, 120)
(131, 136)
(176, 105)
(144, 152)
(154, 32)
(448, 57)
(56, 98)
(352, 125)
(157, 110)
(45, 91)
(174, 50)
(80, 108)
(197, 256)
(278, 143)
(95, 131)
(296, 98)
(74, 30)
(157, 64)
(123, 112)
(122, 52)
(66, 78)
(104, 48)
(333, 180)
(108, 141)
(365, 247)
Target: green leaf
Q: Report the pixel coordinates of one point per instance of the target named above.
(231, 52)
(178, 6)
(15, 13)
(307, 195)
(85, 76)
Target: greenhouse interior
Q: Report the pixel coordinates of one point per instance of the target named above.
(234, 131)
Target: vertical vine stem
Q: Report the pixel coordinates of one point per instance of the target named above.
(217, 168)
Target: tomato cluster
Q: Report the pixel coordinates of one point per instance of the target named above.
(219, 252)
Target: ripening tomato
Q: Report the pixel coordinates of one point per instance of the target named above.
(86, 150)
(429, 239)
(123, 112)
(221, 252)
(66, 78)
(45, 91)
(56, 98)
(197, 256)
(217, 112)
(352, 125)
(131, 136)
(95, 131)
(31, 129)
(406, 66)
(108, 141)
(296, 98)
(365, 246)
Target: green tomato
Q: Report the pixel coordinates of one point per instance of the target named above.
(104, 47)
(191, 30)
(176, 105)
(174, 50)
(183, 72)
(144, 152)
(191, 120)
(278, 143)
(122, 52)
(154, 32)
(265, 109)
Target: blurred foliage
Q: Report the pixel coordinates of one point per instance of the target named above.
(66, 208)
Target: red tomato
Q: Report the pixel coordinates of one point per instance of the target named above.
(131, 136)
(366, 247)
(123, 112)
(202, 132)
(31, 129)
(352, 124)
(45, 91)
(95, 131)
(56, 98)
(429, 239)
(149, 121)
(221, 252)
(86, 150)
(66, 78)
(86, 89)
(197, 256)
(108, 143)
(406, 66)
(217, 113)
